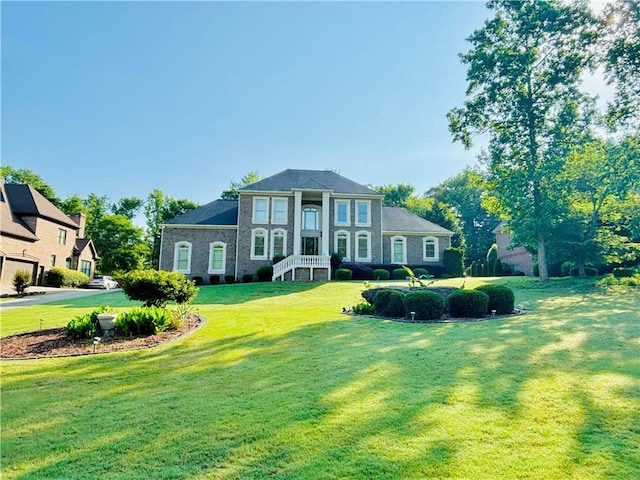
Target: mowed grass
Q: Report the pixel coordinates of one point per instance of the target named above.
(279, 384)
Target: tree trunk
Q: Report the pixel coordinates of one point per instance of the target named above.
(542, 259)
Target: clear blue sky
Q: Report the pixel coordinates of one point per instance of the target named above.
(121, 98)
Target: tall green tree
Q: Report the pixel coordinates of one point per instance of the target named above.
(250, 178)
(158, 209)
(120, 244)
(439, 213)
(127, 206)
(603, 189)
(396, 195)
(622, 61)
(22, 175)
(524, 72)
(464, 193)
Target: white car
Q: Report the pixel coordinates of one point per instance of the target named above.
(103, 281)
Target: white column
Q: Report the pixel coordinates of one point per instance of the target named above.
(325, 223)
(297, 218)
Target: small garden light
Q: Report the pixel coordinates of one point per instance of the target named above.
(493, 313)
(413, 316)
(41, 323)
(96, 341)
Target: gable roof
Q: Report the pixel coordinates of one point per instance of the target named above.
(11, 224)
(81, 244)
(396, 219)
(292, 179)
(25, 200)
(218, 212)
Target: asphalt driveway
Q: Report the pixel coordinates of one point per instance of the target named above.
(46, 295)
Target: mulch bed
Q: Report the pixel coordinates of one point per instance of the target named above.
(53, 342)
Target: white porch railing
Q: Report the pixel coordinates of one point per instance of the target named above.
(292, 262)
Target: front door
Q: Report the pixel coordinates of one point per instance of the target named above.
(310, 245)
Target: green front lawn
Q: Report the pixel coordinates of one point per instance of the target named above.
(279, 384)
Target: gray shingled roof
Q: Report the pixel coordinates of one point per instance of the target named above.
(290, 179)
(11, 224)
(27, 201)
(218, 212)
(396, 219)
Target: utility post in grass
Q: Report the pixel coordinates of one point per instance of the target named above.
(523, 77)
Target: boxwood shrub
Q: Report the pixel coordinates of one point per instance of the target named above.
(381, 274)
(344, 274)
(63, 277)
(501, 298)
(265, 273)
(389, 303)
(468, 303)
(622, 272)
(399, 274)
(421, 272)
(426, 305)
(157, 287)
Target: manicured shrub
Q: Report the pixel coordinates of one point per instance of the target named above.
(197, 281)
(421, 272)
(63, 277)
(344, 274)
(452, 260)
(214, 279)
(426, 305)
(157, 287)
(229, 279)
(247, 278)
(501, 298)
(265, 273)
(468, 303)
(359, 271)
(399, 274)
(622, 272)
(21, 281)
(381, 274)
(336, 262)
(389, 303)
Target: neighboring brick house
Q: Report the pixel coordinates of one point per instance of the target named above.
(304, 216)
(517, 257)
(36, 236)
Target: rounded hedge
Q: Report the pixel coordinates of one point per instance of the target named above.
(624, 272)
(501, 298)
(389, 303)
(426, 305)
(421, 272)
(64, 277)
(468, 303)
(265, 273)
(344, 274)
(399, 274)
(157, 287)
(381, 274)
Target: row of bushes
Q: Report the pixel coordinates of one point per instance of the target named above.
(137, 321)
(379, 273)
(423, 304)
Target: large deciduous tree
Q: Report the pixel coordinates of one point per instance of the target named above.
(10, 174)
(622, 61)
(232, 194)
(524, 72)
(464, 193)
(158, 209)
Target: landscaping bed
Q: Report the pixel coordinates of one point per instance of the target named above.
(54, 342)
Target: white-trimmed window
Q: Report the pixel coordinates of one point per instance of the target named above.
(62, 236)
(363, 213)
(217, 258)
(363, 247)
(342, 212)
(258, 244)
(182, 257)
(342, 244)
(279, 208)
(310, 218)
(278, 243)
(260, 210)
(430, 249)
(398, 250)
(85, 267)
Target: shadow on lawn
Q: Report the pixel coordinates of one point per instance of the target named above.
(551, 392)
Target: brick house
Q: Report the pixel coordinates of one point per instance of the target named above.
(517, 257)
(36, 236)
(302, 216)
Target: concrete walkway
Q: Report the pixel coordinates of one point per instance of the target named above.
(45, 295)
